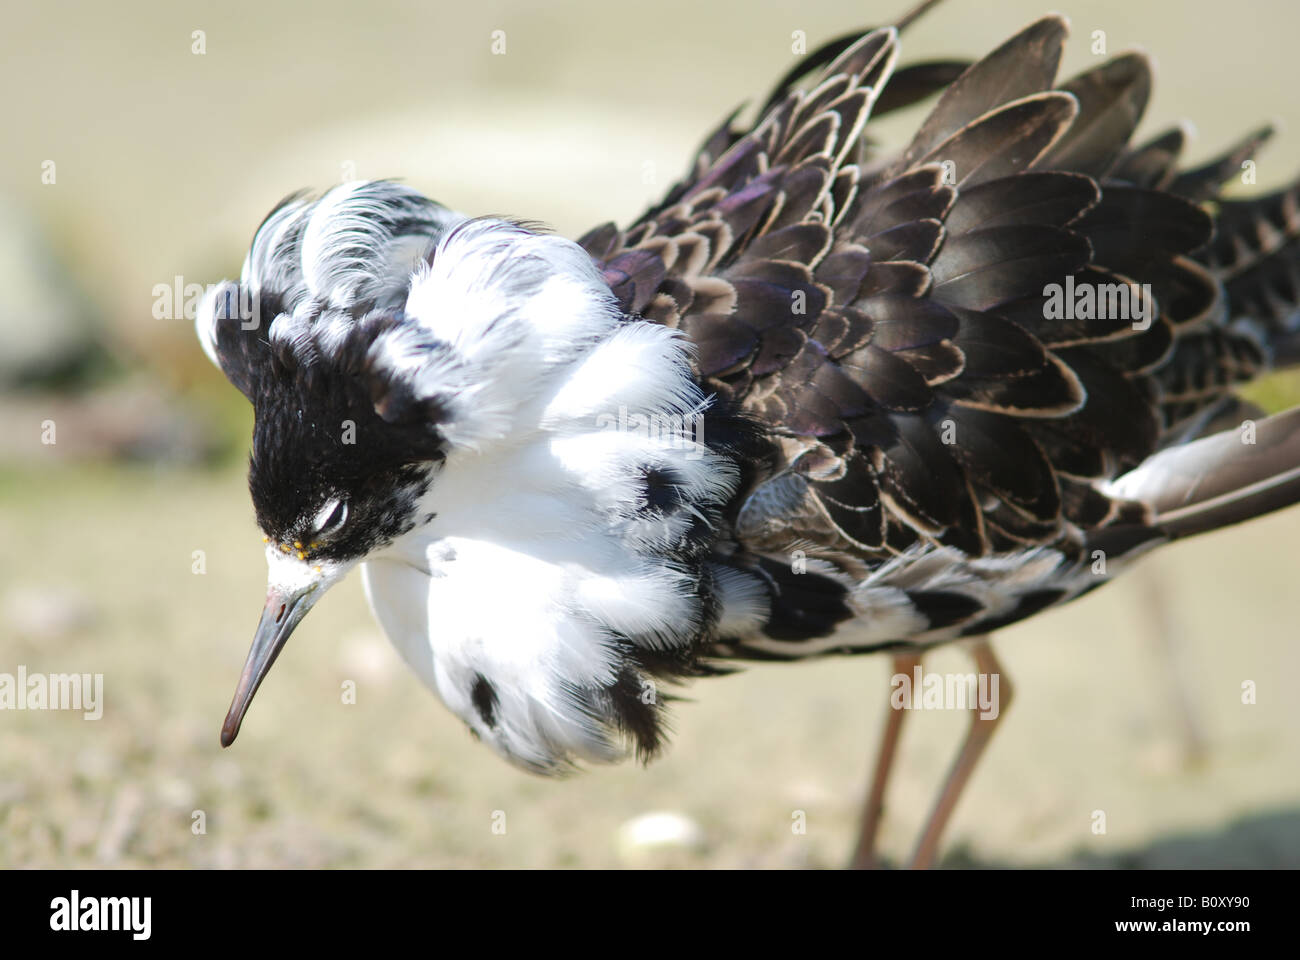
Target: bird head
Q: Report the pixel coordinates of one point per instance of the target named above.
(446, 402)
(331, 480)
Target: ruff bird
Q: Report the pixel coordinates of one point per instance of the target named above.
(823, 399)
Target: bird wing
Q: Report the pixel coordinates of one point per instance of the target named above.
(888, 318)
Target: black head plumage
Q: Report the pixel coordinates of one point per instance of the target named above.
(332, 424)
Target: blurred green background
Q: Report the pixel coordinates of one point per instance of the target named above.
(132, 160)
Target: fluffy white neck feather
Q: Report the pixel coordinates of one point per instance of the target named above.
(516, 602)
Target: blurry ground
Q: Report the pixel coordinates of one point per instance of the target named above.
(394, 780)
(166, 160)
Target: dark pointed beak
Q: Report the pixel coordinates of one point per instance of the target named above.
(284, 611)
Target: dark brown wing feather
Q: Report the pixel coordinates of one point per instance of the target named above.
(890, 322)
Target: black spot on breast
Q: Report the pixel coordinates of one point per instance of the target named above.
(484, 698)
(636, 713)
(699, 532)
(662, 493)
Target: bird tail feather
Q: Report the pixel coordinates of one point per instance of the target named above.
(1222, 479)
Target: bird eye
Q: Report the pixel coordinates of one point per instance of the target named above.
(331, 516)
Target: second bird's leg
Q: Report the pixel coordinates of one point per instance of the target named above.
(1168, 640)
(864, 857)
(977, 738)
